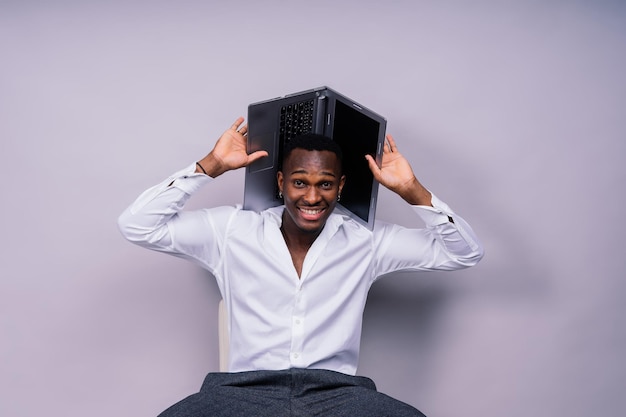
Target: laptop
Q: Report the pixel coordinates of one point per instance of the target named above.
(358, 130)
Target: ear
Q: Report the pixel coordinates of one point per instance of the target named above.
(342, 182)
(279, 180)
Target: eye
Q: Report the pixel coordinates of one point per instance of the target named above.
(327, 185)
(298, 183)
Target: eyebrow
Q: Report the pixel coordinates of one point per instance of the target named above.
(304, 171)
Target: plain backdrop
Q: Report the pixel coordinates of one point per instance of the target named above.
(513, 112)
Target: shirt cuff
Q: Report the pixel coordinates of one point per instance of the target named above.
(439, 213)
(188, 180)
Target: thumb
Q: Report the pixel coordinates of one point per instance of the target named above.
(373, 167)
(254, 156)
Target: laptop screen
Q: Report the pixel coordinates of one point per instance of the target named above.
(357, 135)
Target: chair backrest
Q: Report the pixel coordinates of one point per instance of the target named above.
(223, 336)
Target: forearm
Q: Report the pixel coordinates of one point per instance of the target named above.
(441, 245)
(145, 221)
(454, 235)
(415, 193)
(210, 165)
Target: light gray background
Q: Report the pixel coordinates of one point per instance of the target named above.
(512, 112)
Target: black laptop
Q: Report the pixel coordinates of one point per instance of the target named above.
(358, 130)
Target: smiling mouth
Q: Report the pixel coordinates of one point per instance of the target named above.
(310, 214)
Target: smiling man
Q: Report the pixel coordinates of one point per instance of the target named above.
(295, 278)
(310, 183)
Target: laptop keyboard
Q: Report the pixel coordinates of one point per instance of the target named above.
(295, 119)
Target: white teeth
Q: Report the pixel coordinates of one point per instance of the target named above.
(305, 211)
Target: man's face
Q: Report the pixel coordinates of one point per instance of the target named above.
(310, 182)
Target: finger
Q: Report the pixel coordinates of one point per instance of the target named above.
(244, 129)
(257, 155)
(391, 143)
(237, 123)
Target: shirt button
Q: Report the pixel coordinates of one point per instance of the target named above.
(297, 321)
(296, 356)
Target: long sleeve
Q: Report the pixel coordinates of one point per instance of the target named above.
(146, 221)
(441, 245)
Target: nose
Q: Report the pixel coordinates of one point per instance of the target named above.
(311, 196)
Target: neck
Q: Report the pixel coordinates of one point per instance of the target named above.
(296, 238)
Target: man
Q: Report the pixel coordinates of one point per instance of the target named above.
(295, 278)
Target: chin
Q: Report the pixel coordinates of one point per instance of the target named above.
(308, 227)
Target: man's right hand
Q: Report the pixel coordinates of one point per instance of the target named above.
(229, 152)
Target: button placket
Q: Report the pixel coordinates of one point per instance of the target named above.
(297, 327)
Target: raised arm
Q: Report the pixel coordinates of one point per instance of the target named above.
(150, 219)
(447, 243)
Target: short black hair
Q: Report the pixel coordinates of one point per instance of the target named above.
(312, 142)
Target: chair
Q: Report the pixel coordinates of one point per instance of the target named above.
(223, 336)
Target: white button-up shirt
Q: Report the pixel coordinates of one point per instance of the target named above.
(276, 319)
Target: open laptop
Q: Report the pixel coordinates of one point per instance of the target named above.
(358, 130)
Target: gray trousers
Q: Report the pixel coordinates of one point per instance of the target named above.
(289, 393)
